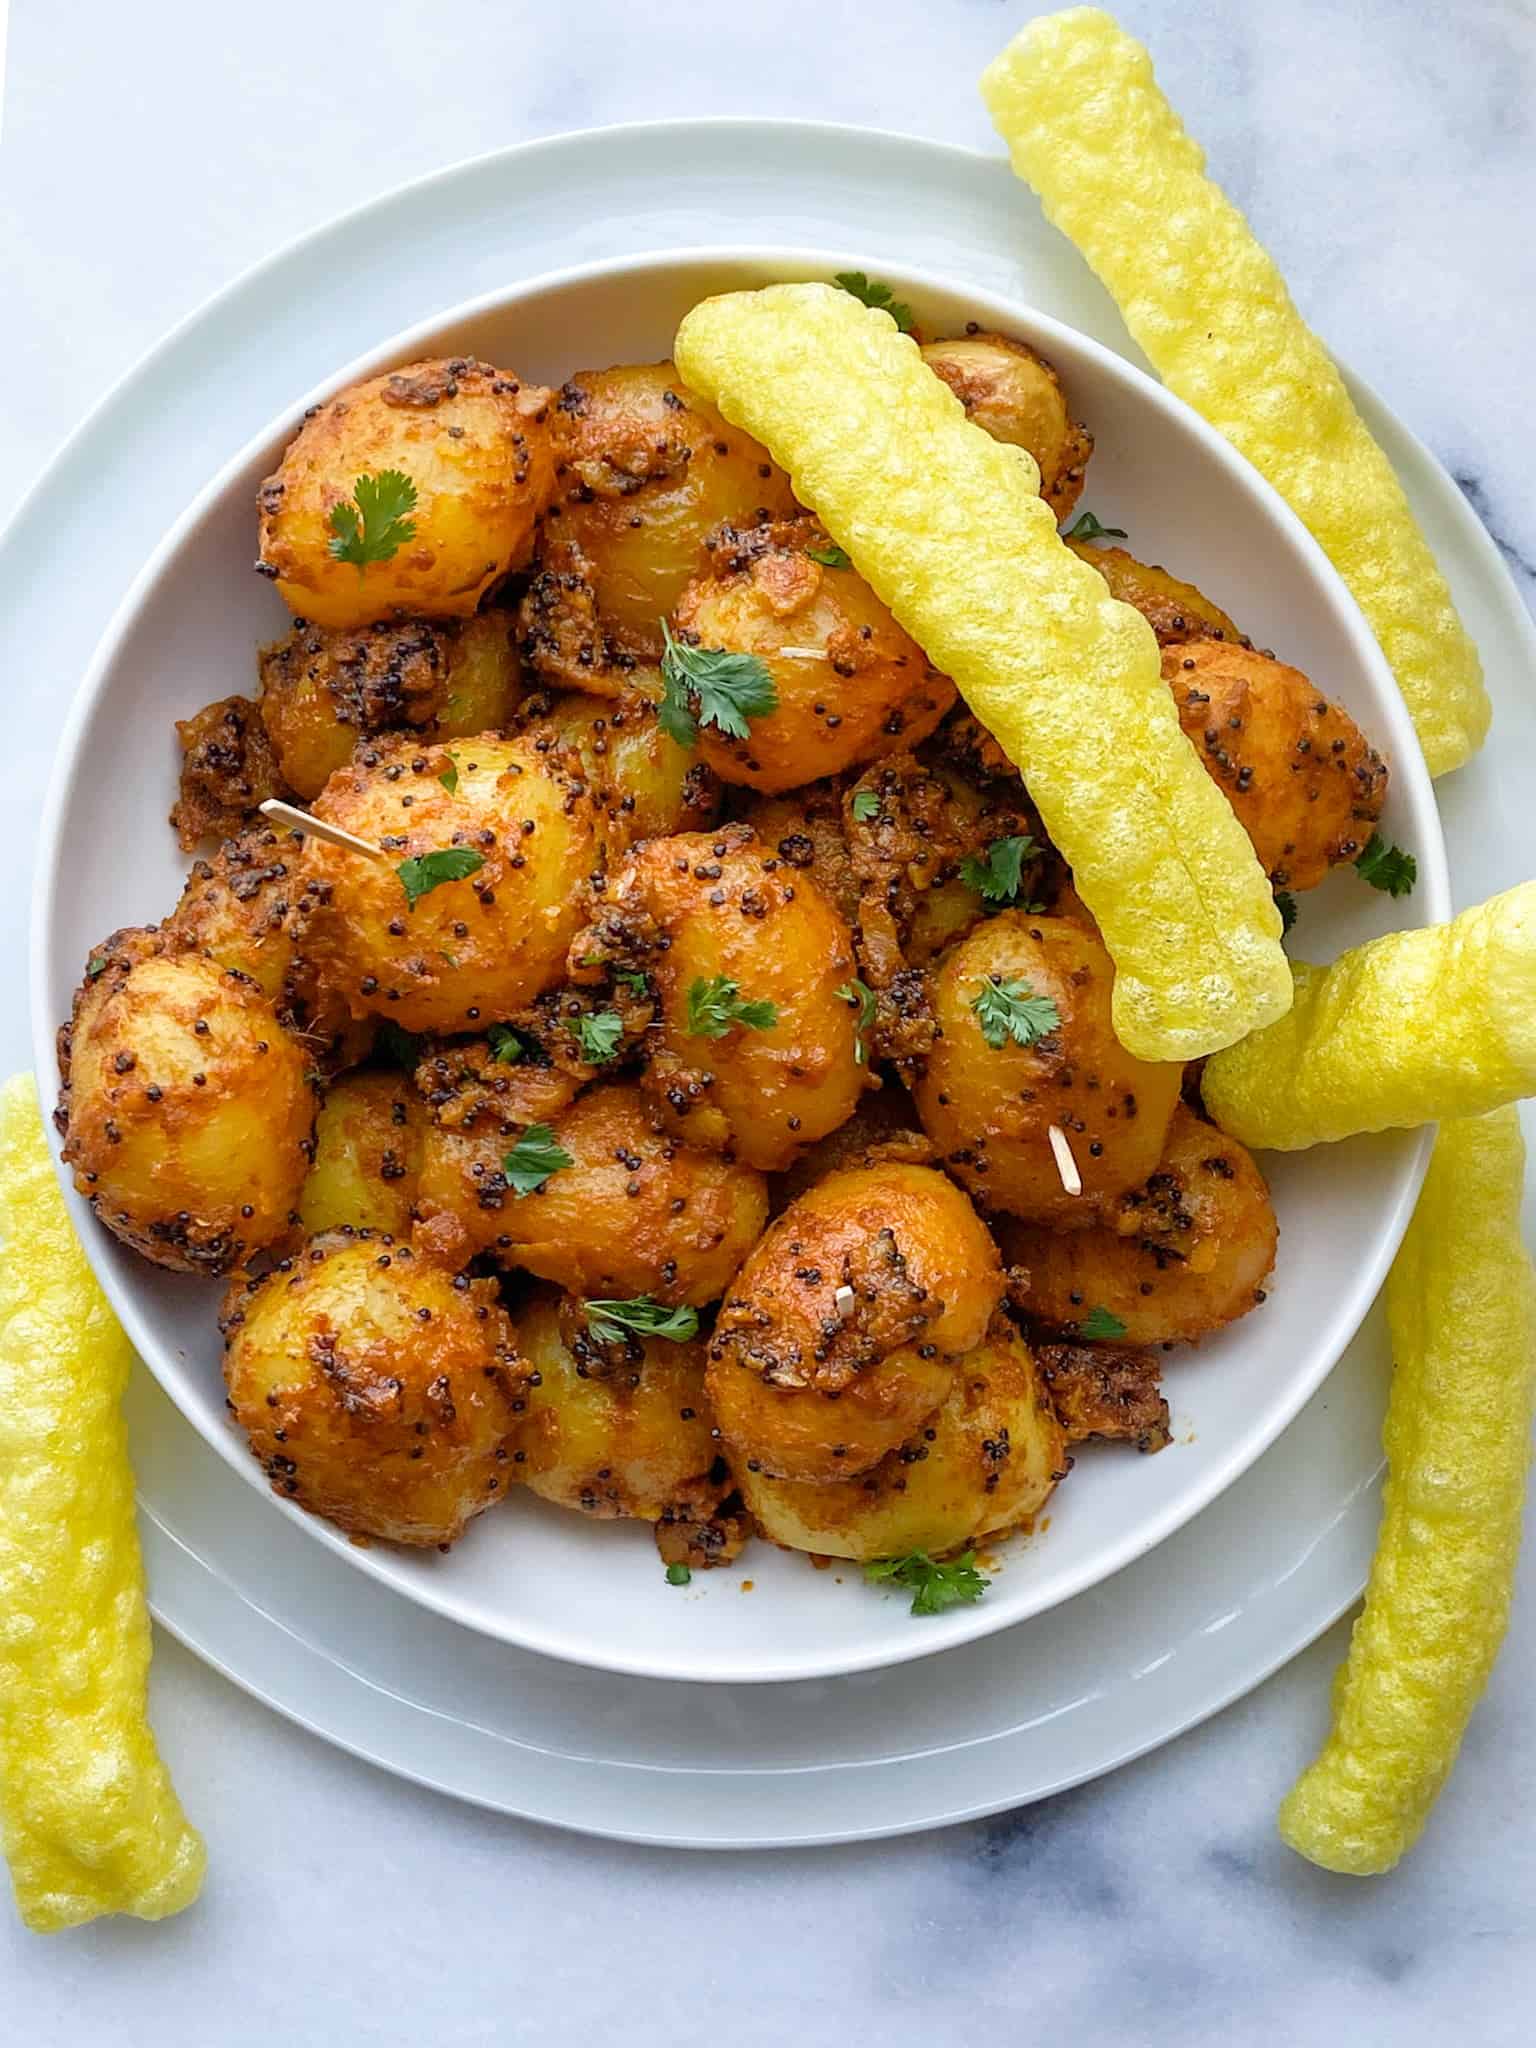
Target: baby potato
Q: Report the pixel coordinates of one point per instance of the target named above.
(1176, 611)
(644, 471)
(368, 1143)
(471, 950)
(186, 1108)
(375, 1388)
(1173, 1260)
(1305, 782)
(988, 1107)
(851, 685)
(610, 1435)
(840, 1334)
(1017, 396)
(635, 1212)
(228, 771)
(805, 829)
(756, 1052)
(323, 690)
(987, 1460)
(472, 441)
(643, 783)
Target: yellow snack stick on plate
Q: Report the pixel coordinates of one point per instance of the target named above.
(88, 1818)
(947, 525)
(1399, 1032)
(1462, 1312)
(1075, 100)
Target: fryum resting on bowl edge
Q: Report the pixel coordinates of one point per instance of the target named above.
(657, 1128)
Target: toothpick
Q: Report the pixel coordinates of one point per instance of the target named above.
(319, 828)
(1066, 1165)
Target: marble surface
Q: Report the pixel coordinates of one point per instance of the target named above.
(149, 153)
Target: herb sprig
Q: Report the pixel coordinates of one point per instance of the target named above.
(1011, 1009)
(1086, 527)
(1386, 866)
(934, 1586)
(536, 1155)
(372, 525)
(611, 1321)
(999, 875)
(715, 1005)
(862, 997)
(597, 1036)
(424, 872)
(870, 292)
(866, 805)
(732, 690)
(830, 557)
(1100, 1324)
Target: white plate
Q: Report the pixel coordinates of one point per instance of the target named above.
(543, 1578)
(1127, 1666)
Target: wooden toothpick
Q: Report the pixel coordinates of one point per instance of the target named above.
(319, 828)
(1066, 1165)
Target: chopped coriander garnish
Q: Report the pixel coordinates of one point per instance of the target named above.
(1086, 527)
(863, 999)
(536, 1155)
(610, 1321)
(732, 689)
(999, 877)
(372, 525)
(1285, 903)
(934, 1586)
(866, 805)
(877, 295)
(678, 1575)
(1100, 1323)
(597, 1036)
(509, 1045)
(1011, 1009)
(450, 776)
(451, 958)
(715, 1005)
(95, 967)
(830, 557)
(637, 984)
(424, 872)
(1386, 866)
(402, 1046)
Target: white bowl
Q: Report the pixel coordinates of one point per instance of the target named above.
(595, 1593)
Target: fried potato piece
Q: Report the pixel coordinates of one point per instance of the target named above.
(376, 1388)
(323, 690)
(635, 1212)
(1104, 1394)
(987, 1460)
(1176, 611)
(851, 685)
(611, 1431)
(1305, 782)
(1401, 1031)
(228, 771)
(475, 444)
(186, 1108)
(988, 1108)
(89, 1820)
(804, 828)
(1016, 395)
(473, 950)
(368, 1144)
(946, 525)
(1185, 1255)
(1074, 98)
(806, 1388)
(644, 785)
(1461, 1307)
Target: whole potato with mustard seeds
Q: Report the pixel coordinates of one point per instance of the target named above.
(1012, 391)
(408, 495)
(1025, 1041)
(1175, 610)
(186, 1108)
(376, 1389)
(368, 1142)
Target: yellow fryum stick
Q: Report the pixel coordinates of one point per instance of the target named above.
(947, 525)
(1074, 98)
(88, 1817)
(1399, 1032)
(1462, 1311)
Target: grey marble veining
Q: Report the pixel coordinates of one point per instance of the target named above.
(1388, 151)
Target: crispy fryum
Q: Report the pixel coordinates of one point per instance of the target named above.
(1462, 1313)
(1074, 98)
(88, 1817)
(1401, 1031)
(947, 526)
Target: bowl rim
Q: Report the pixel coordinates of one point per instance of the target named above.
(770, 261)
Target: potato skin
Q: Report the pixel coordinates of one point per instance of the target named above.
(476, 444)
(1006, 387)
(636, 1212)
(643, 784)
(988, 1109)
(186, 1108)
(804, 1392)
(987, 1460)
(701, 905)
(1174, 1260)
(324, 690)
(368, 1142)
(624, 1435)
(472, 951)
(1175, 610)
(375, 1388)
(851, 684)
(1305, 782)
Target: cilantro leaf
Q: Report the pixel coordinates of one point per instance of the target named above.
(1100, 1323)
(1011, 1009)
(830, 557)
(877, 295)
(934, 1586)
(609, 1321)
(732, 689)
(998, 878)
(450, 776)
(536, 1155)
(1386, 866)
(1285, 903)
(866, 805)
(678, 1575)
(509, 1045)
(1086, 527)
(424, 872)
(863, 999)
(95, 967)
(597, 1036)
(715, 1005)
(372, 525)
(637, 984)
